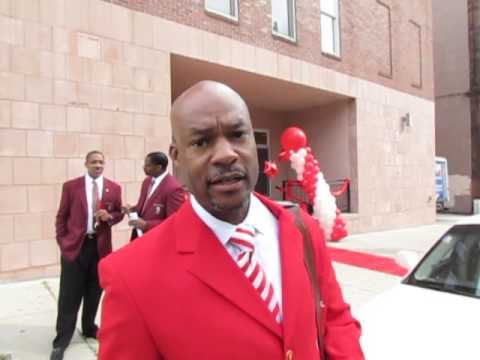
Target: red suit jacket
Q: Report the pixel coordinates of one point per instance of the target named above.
(179, 295)
(71, 221)
(165, 200)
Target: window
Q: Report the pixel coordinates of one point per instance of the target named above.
(283, 18)
(415, 54)
(226, 8)
(384, 32)
(330, 26)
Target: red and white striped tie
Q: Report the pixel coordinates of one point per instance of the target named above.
(248, 262)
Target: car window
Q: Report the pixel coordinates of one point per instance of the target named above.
(453, 264)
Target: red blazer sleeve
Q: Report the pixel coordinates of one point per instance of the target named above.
(123, 334)
(62, 214)
(342, 331)
(117, 214)
(175, 200)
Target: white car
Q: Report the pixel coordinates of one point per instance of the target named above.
(434, 313)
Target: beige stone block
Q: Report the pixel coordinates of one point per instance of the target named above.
(64, 41)
(46, 64)
(89, 95)
(122, 75)
(134, 147)
(11, 31)
(76, 167)
(14, 256)
(88, 46)
(38, 36)
(65, 145)
(132, 191)
(25, 61)
(76, 14)
(6, 229)
(243, 56)
(162, 126)
(5, 54)
(103, 121)
(211, 47)
(157, 144)
(142, 80)
(25, 115)
(12, 142)
(52, 12)
(26, 9)
(42, 198)
(156, 60)
(89, 142)
(143, 29)
(12, 86)
(109, 171)
(162, 30)
(125, 170)
(101, 73)
(194, 42)
(140, 174)
(28, 227)
(14, 199)
(26, 171)
(5, 113)
(39, 143)
(122, 123)
(112, 98)
(54, 171)
(133, 101)
(144, 125)
(5, 7)
(59, 70)
(100, 18)
(6, 175)
(284, 67)
(64, 92)
(113, 146)
(132, 55)
(122, 23)
(225, 51)
(44, 252)
(156, 103)
(52, 117)
(265, 62)
(48, 225)
(161, 82)
(77, 69)
(112, 50)
(78, 119)
(38, 89)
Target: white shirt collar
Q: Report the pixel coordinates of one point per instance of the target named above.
(159, 178)
(89, 179)
(224, 230)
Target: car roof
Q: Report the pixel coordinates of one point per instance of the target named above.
(474, 219)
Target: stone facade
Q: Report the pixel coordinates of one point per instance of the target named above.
(82, 75)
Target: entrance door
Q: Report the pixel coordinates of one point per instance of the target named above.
(263, 153)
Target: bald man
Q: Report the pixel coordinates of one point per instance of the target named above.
(224, 277)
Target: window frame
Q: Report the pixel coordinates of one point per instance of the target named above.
(224, 16)
(292, 21)
(337, 39)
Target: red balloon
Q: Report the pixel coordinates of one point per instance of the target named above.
(270, 169)
(293, 138)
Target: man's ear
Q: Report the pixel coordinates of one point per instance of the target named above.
(173, 152)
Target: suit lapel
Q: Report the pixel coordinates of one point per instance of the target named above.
(216, 269)
(82, 188)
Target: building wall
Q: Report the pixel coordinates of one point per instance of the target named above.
(77, 75)
(364, 41)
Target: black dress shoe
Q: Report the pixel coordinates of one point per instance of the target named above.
(57, 353)
(90, 334)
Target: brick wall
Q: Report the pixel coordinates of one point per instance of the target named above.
(362, 35)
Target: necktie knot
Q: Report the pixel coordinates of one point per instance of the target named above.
(243, 237)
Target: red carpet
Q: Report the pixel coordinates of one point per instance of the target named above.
(368, 261)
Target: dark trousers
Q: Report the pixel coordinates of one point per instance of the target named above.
(78, 281)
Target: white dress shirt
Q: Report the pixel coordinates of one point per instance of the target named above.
(266, 239)
(157, 180)
(88, 189)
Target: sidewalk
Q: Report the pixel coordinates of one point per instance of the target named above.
(28, 309)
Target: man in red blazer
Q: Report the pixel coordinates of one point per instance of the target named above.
(224, 277)
(89, 206)
(160, 197)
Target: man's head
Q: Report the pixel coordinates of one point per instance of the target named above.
(155, 164)
(214, 148)
(95, 162)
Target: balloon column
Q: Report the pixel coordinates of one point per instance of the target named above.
(295, 150)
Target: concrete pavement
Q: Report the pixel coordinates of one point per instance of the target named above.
(28, 309)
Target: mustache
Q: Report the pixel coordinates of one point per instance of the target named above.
(226, 173)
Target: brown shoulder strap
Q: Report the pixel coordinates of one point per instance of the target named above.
(312, 271)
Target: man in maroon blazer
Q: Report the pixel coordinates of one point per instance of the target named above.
(89, 207)
(224, 277)
(160, 197)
